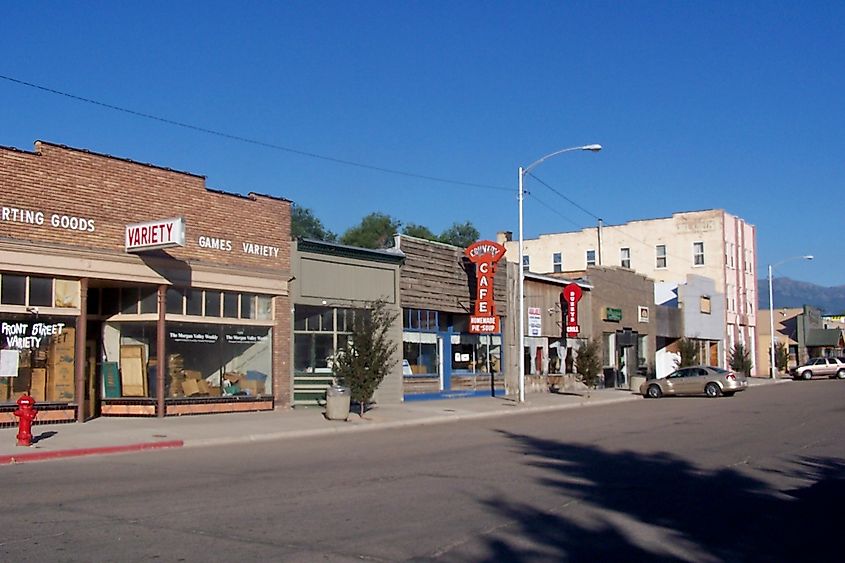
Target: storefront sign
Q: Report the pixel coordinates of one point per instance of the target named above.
(569, 298)
(200, 337)
(23, 336)
(163, 233)
(41, 218)
(226, 245)
(612, 314)
(535, 321)
(484, 254)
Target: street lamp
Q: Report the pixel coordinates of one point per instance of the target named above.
(774, 339)
(522, 173)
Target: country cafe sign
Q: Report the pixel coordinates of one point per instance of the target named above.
(484, 254)
(151, 235)
(569, 298)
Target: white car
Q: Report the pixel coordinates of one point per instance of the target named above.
(818, 367)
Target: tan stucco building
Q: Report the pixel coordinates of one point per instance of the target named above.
(710, 243)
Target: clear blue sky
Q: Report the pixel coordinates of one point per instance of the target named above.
(733, 105)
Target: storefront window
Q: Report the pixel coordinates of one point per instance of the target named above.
(218, 360)
(212, 303)
(37, 356)
(128, 366)
(110, 301)
(476, 353)
(41, 292)
(203, 360)
(149, 300)
(420, 351)
(318, 333)
(193, 302)
(421, 319)
(174, 301)
(13, 290)
(230, 305)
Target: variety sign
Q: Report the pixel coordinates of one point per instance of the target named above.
(569, 298)
(164, 233)
(484, 254)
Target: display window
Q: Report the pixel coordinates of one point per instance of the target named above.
(203, 360)
(38, 291)
(37, 357)
(420, 350)
(476, 353)
(319, 332)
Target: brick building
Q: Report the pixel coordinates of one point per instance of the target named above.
(109, 266)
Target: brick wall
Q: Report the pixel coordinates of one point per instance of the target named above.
(113, 192)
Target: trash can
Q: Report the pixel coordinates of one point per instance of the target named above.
(337, 402)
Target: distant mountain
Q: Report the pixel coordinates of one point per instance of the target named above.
(792, 293)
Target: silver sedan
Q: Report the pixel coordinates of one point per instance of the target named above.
(695, 380)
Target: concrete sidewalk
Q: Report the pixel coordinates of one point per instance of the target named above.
(119, 435)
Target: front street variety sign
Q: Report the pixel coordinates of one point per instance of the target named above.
(484, 254)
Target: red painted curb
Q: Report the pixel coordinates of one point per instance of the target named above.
(42, 456)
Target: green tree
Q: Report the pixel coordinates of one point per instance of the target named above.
(739, 359)
(460, 234)
(688, 349)
(588, 362)
(369, 353)
(376, 230)
(781, 356)
(303, 223)
(419, 231)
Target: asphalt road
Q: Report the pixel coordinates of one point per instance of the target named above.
(756, 477)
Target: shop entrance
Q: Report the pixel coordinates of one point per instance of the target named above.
(92, 386)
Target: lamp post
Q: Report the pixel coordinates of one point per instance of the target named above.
(522, 172)
(774, 339)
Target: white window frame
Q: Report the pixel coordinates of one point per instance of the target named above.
(698, 253)
(557, 262)
(587, 257)
(526, 262)
(625, 256)
(660, 255)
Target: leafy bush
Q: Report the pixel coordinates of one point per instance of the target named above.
(688, 349)
(369, 353)
(588, 362)
(740, 360)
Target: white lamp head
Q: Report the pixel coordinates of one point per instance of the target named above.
(808, 257)
(594, 148)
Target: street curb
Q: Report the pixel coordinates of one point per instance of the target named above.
(426, 421)
(79, 452)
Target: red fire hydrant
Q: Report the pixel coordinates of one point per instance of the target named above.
(26, 413)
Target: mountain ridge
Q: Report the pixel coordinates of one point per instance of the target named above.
(793, 293)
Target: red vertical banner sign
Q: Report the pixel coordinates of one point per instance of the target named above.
(484, 254)
(569, 298)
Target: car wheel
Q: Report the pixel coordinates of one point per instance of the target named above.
(840, 374)
(807, 375)
(712, 390)
(654, 392)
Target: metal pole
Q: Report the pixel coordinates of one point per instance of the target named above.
(599, 241)
(772, 325)
(521, 339)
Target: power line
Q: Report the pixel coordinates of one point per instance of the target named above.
(590, 213)
(242, 139)
(552, 209)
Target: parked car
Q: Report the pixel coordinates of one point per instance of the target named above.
(695, 380)
(818, 367)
